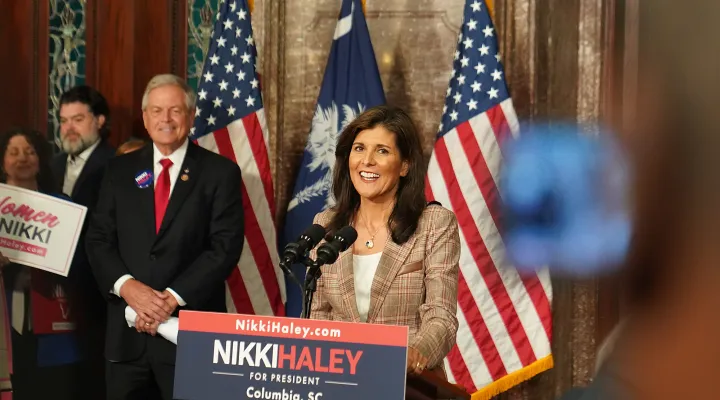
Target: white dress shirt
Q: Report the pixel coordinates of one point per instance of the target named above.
(364, 268)
(74, 167)
(177, 157)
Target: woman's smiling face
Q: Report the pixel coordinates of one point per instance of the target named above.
(376, 164)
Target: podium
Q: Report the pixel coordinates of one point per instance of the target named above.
(431, 385)
(227, 356)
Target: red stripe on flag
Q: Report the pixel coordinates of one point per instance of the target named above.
(500, 126)
(253, 233)
(480, 170)
(532, 283)
(540, 300)
(260, 154)
(458, 367)
(467, 303)
(239, 293)
(488, 270)
(256, 241)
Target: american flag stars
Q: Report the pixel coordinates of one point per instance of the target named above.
(225, 93)
(477, 78)
(230, 120)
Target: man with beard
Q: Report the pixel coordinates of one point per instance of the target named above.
(84, 127)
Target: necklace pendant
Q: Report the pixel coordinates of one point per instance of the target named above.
(369, 244)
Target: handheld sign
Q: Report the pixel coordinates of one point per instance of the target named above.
(230, 356)
(38, 230)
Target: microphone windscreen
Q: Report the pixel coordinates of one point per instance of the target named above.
(314, 233)
(349, 236)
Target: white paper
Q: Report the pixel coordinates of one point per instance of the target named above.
(168, 330)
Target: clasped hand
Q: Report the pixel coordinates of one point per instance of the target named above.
(152, 307)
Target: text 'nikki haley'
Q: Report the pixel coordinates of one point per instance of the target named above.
(296, 358)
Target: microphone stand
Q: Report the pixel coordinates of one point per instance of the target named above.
(310, 286)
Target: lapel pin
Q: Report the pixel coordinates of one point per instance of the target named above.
(187, 170)
(184, 177)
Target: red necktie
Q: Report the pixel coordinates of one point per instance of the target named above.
(162, 193)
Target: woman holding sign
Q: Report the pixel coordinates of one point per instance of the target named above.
(33, 365)
(403, 269)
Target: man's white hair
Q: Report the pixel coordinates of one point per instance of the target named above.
(170, 79)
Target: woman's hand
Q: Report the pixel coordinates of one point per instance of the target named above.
(416, 362)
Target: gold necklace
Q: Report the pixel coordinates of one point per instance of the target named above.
(370, 243)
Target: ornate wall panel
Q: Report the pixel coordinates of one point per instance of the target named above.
(66, 54)
(200, 21)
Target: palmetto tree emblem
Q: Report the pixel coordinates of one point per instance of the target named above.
(326, 127)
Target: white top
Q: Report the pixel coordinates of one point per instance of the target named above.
(74, 167)
(364, 268)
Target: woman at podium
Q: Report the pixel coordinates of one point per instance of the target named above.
(403, 268)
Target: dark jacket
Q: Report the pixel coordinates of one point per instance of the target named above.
(196, 249)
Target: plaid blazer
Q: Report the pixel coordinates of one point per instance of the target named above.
(415, 285)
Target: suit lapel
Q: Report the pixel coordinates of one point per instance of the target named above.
(391, 261)
(59, 171)
(183, 186)
(146, 196)
(347, 283)
(93, 162)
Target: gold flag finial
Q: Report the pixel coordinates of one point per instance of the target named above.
(491, 9)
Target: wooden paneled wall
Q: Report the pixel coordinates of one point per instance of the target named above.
(558, 57)
(23, 66)
(128, 42)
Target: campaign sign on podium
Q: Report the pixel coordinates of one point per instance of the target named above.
(231, 356)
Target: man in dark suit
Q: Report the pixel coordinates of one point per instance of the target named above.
(166, 233)
(84, 127)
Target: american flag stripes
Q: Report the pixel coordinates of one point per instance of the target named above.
(230, 120)
(505, 318)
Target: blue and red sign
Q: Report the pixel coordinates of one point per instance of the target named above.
(144, 179)
(231, 356)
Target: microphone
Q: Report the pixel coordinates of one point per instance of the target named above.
(295, 251)
(329, 251)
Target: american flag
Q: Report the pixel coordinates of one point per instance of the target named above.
(505, 318)
(230, 120)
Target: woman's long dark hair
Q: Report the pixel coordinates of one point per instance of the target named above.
(410, 196)
(45, 179)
